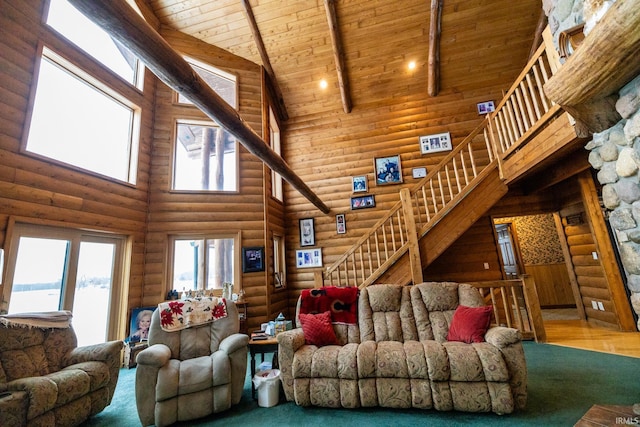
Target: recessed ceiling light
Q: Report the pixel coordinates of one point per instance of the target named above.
(412, 65)
(323, 84)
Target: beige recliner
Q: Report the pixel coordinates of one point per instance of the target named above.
(191, 373)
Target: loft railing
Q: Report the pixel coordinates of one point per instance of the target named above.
(524, 110)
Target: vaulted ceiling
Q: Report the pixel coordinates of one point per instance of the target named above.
(481, 42)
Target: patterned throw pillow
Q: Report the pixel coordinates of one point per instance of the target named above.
(469, 324)
(317, 329)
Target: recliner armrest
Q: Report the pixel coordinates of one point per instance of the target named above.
(292, 339)
(156, 355)
(103, 352)
(501, 336)
(233, 342)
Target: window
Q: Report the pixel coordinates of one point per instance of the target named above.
(224, 84)
(80, 30)
(204, 158)
(76, 270)
(74, 122)
(203, 263)
(279, 262)
(274, 137)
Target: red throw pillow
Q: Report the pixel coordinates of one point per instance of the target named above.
(317, 329)
(469, 324)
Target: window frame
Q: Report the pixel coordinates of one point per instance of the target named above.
(174, 143)
(117, 299)
(237, 258)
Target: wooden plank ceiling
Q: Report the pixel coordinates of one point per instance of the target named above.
(480, 41)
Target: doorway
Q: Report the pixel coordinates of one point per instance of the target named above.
(530, 245)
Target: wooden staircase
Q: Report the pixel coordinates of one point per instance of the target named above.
(522, 135)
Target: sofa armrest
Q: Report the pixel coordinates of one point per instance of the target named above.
(108, 352)
(234, 342)
(156, 356)
(502, 337)
(288, 343)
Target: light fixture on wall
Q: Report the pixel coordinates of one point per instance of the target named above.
(323, 84)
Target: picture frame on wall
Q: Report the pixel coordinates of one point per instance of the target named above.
(307, 232)
(388, 170)
(252, 259)
(359, 184)
(341, 224)
(309, 258)
(435, 143)
(363, 202)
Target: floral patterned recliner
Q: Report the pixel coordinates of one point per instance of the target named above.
(398, 356)
(193, 372)
(46, 379)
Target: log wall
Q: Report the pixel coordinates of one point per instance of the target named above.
(174, 212)
(45, 192)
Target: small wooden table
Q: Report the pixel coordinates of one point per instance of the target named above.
(261, 347)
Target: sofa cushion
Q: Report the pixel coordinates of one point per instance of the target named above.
(469, 324)
(317, 329)
(28, 362)
(71, 384)
(98, 373)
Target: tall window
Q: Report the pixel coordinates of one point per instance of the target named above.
(274, 137)
(205, 155)
(79, 118)
(84, 33)
(202, 263)
(279, 262)
(204, 159)
(66, 269)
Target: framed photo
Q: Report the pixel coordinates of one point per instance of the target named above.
(252, 259)
(485, 107)
(362, 202)
(388, 170)
(139, 324)
(359, 184)
(435, 143)
(307, 234)
(308, 258)
(341, 225)
(419, 172)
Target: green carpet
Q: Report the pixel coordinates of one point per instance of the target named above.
(563, 384)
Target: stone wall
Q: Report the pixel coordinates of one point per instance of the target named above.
(614, 153)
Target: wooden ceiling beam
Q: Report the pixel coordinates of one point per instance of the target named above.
(338, 54)
(266, 63)
(433, 71)
(118, 19)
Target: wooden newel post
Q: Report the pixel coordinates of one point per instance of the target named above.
(533, 308)
(318, 280)
(412, 235)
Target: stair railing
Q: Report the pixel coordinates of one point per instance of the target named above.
(430, 199)
(522, 112)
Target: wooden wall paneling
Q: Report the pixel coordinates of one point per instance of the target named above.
(182, 212)
(552, 283)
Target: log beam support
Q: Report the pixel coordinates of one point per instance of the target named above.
(118, 19)
(338, 54)
(433, 72)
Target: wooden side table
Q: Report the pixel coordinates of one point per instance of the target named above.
(261, 347)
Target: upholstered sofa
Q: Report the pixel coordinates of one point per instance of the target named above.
(48, 380)
(397, 355)
(191, 372)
